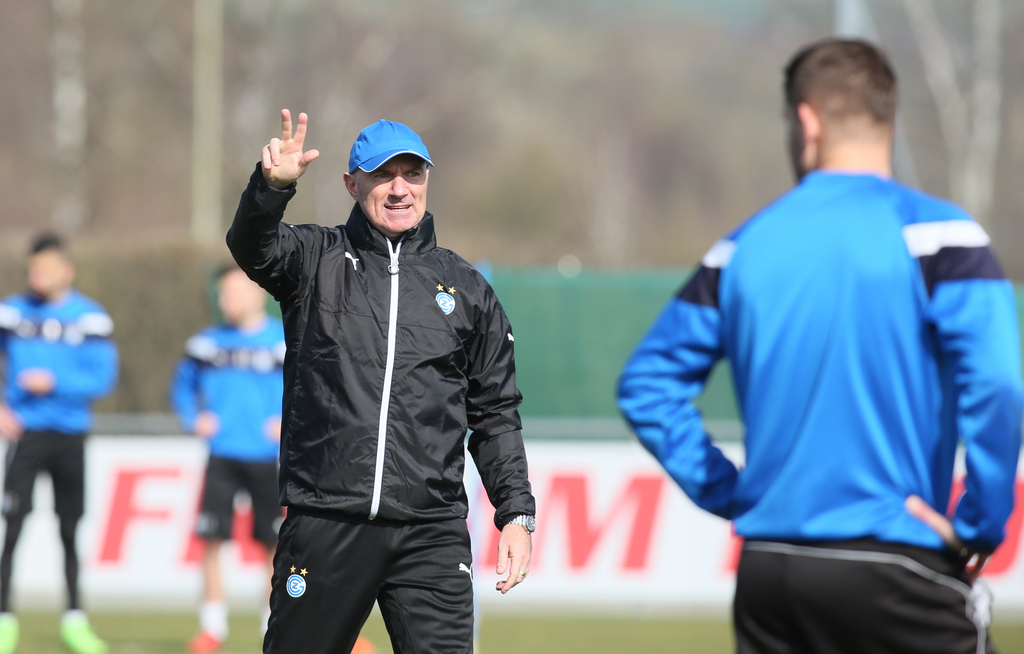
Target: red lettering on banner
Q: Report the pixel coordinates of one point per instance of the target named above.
(642, 491)
(123, 510)
(1006, 554)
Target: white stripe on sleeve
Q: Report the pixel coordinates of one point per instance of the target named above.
(720, 254)
(926, 239)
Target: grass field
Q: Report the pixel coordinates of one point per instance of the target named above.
(138, 633)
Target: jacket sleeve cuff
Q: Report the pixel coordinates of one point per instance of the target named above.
(268, 198)
(501, 460)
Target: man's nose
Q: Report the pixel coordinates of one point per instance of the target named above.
(399, 187)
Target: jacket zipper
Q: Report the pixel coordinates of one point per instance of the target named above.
(389, 369)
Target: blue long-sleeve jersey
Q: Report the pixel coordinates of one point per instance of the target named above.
(71, 338)
(238, 376)
(869, 329)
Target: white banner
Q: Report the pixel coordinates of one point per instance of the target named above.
(613, 531)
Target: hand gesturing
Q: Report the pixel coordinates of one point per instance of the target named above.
(283, 158)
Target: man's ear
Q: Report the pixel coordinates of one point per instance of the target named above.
(810, 121)
(350, 184)
(814, 136)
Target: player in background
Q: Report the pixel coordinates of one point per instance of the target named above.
(227, 389)
(869, 330)
(58, 359)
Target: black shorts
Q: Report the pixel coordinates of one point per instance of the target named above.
(855, 597)
(62, 456)
(329, 569)
(224, 479)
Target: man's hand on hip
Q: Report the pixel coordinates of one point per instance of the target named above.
(283, 158)
(514, 548)
(941, 525)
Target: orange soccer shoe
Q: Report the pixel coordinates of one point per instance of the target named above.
(363, 646)
(203, 643)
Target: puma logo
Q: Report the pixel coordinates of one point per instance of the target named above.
(348, 255)
(465, 568)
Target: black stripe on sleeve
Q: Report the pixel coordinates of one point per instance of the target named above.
(702, 288)
(957, 263)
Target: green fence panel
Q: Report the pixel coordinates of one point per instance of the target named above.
(573, 335)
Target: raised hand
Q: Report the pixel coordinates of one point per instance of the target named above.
(283, 158)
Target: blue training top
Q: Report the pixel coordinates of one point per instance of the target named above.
(238, 376)
(869, 328)
(71, 339)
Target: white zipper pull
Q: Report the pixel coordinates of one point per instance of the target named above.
(393, 266)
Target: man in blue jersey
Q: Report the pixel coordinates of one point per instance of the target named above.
(869, 330)
(227, 389)
(58, 359)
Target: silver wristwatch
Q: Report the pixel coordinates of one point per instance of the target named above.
(527, 522)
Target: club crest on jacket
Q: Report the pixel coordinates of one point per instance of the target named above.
(446, 302)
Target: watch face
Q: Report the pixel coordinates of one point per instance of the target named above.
(527, 522)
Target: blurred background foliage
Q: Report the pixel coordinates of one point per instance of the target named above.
(628, 135)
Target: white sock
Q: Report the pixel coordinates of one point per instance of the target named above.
(74, 615)
(8, 617)
(213, 619)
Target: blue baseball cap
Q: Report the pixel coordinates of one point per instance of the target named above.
(383, 140)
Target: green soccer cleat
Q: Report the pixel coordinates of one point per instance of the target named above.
(78, 636)
(8, 633)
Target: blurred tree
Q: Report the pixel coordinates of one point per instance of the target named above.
(207, 121)
(69, 115)
(970, 119)
(853, 19)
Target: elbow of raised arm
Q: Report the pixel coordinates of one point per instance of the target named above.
(236, 245)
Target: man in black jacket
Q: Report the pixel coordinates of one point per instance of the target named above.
(395, 348)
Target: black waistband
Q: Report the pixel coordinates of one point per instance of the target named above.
(342, 516)
(944, 561)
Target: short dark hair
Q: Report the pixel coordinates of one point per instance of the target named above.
(46, 241)
(842, 78)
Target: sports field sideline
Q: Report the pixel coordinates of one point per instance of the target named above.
(166, 633)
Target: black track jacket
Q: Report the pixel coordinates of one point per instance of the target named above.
(376, 408)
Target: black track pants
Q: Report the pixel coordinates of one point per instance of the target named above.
(855, 597)
(63, 457)
(329, 569)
